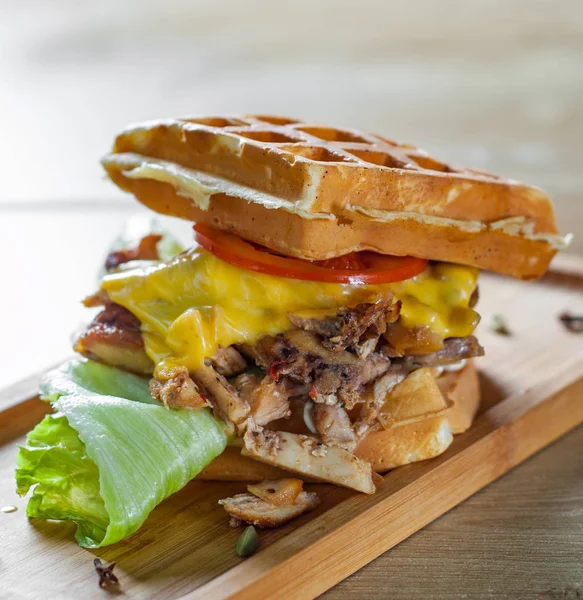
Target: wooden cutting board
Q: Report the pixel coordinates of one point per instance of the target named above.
(532, 385)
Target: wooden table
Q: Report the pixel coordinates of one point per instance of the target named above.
(521, 537)
(495, 84)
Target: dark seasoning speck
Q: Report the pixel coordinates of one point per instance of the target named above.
(573, 323)
(106, 577)
(499, 325)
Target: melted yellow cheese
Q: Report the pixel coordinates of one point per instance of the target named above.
(195, 303)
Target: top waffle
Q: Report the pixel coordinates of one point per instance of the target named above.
(321, 169)
(316, 192)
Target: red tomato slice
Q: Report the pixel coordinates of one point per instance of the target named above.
(355, 268)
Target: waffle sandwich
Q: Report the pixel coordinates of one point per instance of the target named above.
(321, 328)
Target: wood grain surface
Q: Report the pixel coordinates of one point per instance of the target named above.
(531, 396)
(518, 538)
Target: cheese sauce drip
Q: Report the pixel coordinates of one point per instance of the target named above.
(195, 303)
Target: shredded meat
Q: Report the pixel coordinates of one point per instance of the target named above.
(367, 343)
(147, 249)
(305, 455)
(114, 337)
(334, 426)
(224, 399)
(356, 328)
(261, 513)
(268, 400)
(175, 389)
(325, 386)
(374, 398)
(228, 362)
(331, 376)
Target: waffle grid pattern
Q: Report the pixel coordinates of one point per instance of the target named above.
(325, 144)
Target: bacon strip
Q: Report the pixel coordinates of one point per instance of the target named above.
(147, 249)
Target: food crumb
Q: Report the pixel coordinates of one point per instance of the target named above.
(234, 522)
(573, 323)
(498, 325)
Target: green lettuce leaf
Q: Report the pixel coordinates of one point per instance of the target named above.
(80, 376)
(105, 461)
(168, 247)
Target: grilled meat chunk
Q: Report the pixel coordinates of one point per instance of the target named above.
(175, 389)
(223, 397)
(114, 338)
(278, 491)
(325, 386)
(305, 455)
(228, 362)
(268, 400)
(334, 426)
(259, 512)
(399, 340)
(367, 343)
(375, 396)
(454, 350)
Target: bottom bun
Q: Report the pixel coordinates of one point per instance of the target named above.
(425, 439)
(384, 449)
(462, 388)
(406, 444)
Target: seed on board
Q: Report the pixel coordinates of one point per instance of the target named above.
(498, 325)
(248, 542)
